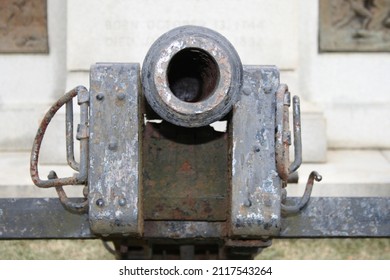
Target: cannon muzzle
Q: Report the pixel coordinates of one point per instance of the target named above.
(192, 76)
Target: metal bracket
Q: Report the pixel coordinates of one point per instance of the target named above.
(282, 143)
(115, 157)
(283, 134)
(256, 186)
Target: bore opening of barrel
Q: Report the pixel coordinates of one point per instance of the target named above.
(193, 75)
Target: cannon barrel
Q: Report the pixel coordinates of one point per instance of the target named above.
(192, 76)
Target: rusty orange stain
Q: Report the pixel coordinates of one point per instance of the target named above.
(186, 167)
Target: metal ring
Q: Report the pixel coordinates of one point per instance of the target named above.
(192, 59)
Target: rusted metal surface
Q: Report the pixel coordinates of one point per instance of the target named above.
(185, 173)
(184, 229)
(23, 26)
(33, 218)
(259, 243)
(115, 150)
(83, 133)
(79, 178)
(256, 186)
(282, 132)
(297, 136)
(77, 207)
(69, 137)
(192, 76)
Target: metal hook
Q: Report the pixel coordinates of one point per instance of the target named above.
(78, 207)
(287, 209)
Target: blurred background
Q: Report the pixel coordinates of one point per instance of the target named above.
(333, 54)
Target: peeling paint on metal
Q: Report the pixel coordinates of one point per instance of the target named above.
(256, 187)
(218, 102)
(115, 155)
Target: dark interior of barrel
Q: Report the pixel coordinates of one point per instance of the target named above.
(193, 75)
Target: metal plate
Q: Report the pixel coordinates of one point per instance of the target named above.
(256, 186)
(185, 173)
(115, 160)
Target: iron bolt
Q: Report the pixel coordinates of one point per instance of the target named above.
(246, 89)
(247, 203)
(100, 202)
(113, 145)
(268, 203)
(122, 201)
(121, 96)
(100, 96)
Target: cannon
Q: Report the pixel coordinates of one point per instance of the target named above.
(186, 158)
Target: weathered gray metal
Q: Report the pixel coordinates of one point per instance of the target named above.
(192, 76)
(339, 217)
(69, 137)
(256, 186)
(115, 150)
(42, 218)
(283, 134)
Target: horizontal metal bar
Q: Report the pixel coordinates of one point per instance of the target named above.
(44, 218)
(340, 217)
(41, 218)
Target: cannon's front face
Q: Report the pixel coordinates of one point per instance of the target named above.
(160, 178)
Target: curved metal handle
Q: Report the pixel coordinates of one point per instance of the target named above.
(287, 209)
(77, 207)
(77, 179)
